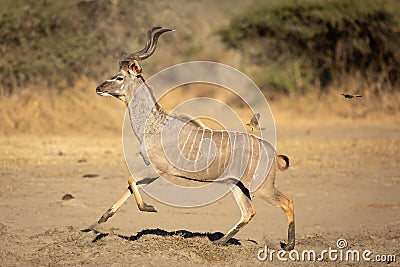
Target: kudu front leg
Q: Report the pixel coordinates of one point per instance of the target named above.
(132, 189)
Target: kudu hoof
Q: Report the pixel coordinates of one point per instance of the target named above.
(147, 208)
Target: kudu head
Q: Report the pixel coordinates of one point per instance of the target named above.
(129, 77)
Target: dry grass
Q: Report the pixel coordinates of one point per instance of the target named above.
(80, 111)
(75, 111)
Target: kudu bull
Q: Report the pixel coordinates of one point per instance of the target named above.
(148, 120)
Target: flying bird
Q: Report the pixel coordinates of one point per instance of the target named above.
(253, 124)
(350, 96)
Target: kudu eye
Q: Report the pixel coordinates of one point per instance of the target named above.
(119, 78)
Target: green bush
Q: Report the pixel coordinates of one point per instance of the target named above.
(324, 40)
(55, 42)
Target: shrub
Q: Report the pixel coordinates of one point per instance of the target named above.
(57, 41)
(324, 40)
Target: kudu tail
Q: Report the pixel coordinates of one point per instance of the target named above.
(282, 167)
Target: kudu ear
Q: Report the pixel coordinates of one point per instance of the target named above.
(135, 68)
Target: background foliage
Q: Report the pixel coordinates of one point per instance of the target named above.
(58, 41)
(320, 43)
(286, 46)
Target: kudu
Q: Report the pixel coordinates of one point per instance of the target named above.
(148, 120)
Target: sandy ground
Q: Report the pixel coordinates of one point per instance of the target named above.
(344, 179)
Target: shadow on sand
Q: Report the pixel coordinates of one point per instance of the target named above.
(160, 232)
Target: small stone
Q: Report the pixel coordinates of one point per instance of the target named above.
(90, 175)
(67, 197)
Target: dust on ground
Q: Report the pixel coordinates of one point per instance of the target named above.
(344, 179)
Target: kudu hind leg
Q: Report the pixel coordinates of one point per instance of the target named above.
(242, 197)
(279, 199)
(287, 206)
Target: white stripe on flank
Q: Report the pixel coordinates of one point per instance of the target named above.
(184, 145)
(243, 144)
(250, 162)
(220, 151)
(198, 151)
(194, 140)
(227, 152)
(233, 148)
(202, 136)
(209, 151)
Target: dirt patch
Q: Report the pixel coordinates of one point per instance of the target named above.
(344, 179)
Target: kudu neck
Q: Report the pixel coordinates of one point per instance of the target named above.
(144, 111)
